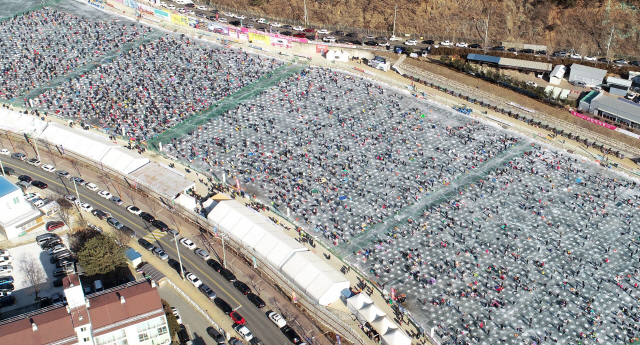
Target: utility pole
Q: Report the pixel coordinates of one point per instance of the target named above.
(224, 253)
(78, 196)
(175, 239)
(395, 14)
(486, 32)
(306, 16)
(609, 44)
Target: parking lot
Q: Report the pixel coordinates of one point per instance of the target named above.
(23, 293)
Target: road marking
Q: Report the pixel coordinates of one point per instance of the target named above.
(157, 239)
(155, 235)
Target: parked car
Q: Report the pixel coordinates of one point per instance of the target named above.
(8, 171)
(160, 253)
(237, 318)
(104, 194)
(446, 43)
(91, 186)
(499, 48)
(5, 152)
(411, 42)
(277, 319)
(202, 254)
(462, 45)
(86, 207)
(242, 287)
(527, 51)
(54, 225)
(114, 223)
(79, 181)
(206, 290)
(291, 334)
(187, 243)
(560, 54)
(256, 300)
(50, 243)
(134, 209)
(6, 260)
(148, 217)
(40, 239)
(128, 231)
(193, 279)
(576, 56)
(223, 305)
(228, 275)
(48, 168)
(215, 265)
(175, 264)
(57, 249)
(64, 174)
(183, 335)
(176, 313)
(114, 199)
(100, 214)
(7, 301)
(39, 184)
(25, 178)
(217, 337)
(145, 244)
(6, 280)
(7, 287)
(160, 225)
(244, 332)
(475, 46)
(20, 156)
(590, 58)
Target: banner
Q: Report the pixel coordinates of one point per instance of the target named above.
(243, 36)
(131, 3)
(145, 8)
(289, 38)
(233, 33)
(281, 42)
(631, 134)
(162, 14)
(179, 19)
(322, 48)
(597, 122)
(258, 38)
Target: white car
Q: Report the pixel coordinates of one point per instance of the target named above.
(163, 4)
(589, 58)
(446, 43)
(48, 167)
(262, 21)
(323, 32)
(203, 8)
(182, 10)
(64, 174)
(298, 28)
(530, 83)
(105, 194)
(277, 319)
(6, 269)
(5, 152)
(176, 313)
(222, 20)
(134, 209)
(244, 332)
(329, 39)
(69, 197)
(576, 56)
(230, 14)
(91, 186)
(394, 38)
(383, 44)
(202, 254)
(241, 17)
(6, 260)
(193, 279)
(34, 162)
(276, 24)
(86, 207)
(461, 45)
(188, 243)
(171, 6)
(371, 37)
(31, 196)
(411, 42)
(4, 252)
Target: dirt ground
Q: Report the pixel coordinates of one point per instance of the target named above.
(430, 65)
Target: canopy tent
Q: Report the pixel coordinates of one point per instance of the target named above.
(319, 280)
(81, 142)
(123, 160)
(187, 201)
(395, 337)
(20, 123)
(370, 313)
(357, 302)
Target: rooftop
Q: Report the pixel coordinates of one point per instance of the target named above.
(6, 186)
(162, 179)
(513, 63)
(619, 107)
(619, 81)
(594, 73)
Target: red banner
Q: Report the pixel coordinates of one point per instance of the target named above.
(322, 48)
(597, 122)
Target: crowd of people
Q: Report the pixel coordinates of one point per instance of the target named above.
(39, 46)
(491, 237)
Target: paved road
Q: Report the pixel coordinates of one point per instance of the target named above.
(256, 319)
(195, 323)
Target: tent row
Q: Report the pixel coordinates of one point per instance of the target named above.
(365, 311)
(307, 271)
(77, 141)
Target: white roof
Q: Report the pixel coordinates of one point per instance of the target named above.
(356, 302)
(383, 325)
(163, 179)
(370, 312)
(396, 337)
(123, 160)
(79, 141)
(187, 201)
(320, 281)
(619, 81)
(20, 123)
(558, 71)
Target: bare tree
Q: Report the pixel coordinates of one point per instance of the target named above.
(255, 282)
(33, 274)
(66, 211)
(151, 204)
(82, 222)
(21, 146)
(76, 166)
(131, 194)
(105, 179)
(121, 237)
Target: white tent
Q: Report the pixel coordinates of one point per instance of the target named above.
(337, 55)
(123, 160)
(395, 337)
(370, 313)
(187, 201)
(81, 142)
(383, 325)
(320, 281)
(17, 122)
(356, 302)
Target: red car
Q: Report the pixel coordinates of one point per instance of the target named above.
(300, 35)
(54, 225)
(309, 30)
(237, 318)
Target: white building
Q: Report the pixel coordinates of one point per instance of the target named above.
(17, 215)
(131, 314)
(557, 74)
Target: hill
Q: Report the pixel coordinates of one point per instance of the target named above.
(584, 25)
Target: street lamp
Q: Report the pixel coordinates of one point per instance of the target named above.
(175, 239)
(78, 196)
(224, 253)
